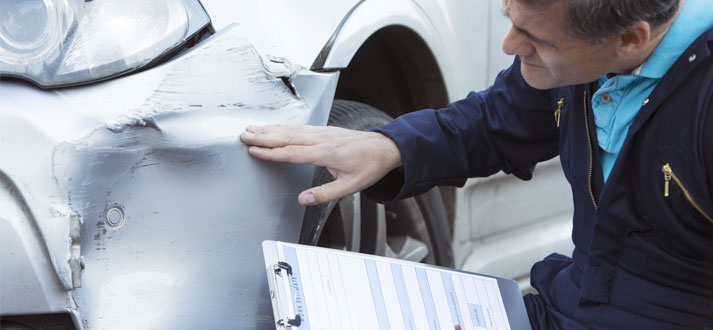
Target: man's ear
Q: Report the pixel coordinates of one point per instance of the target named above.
(635, 39)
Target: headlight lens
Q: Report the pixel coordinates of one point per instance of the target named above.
(67, 42)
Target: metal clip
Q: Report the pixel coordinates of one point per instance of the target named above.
(282, 294)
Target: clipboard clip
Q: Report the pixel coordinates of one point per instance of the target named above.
(283, 265)
(291, 322)
(282, 272)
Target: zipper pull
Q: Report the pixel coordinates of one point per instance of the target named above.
(558, 111)
(667, 174)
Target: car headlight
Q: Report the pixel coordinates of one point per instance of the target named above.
(68, 42)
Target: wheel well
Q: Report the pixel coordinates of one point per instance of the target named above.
(394, 71)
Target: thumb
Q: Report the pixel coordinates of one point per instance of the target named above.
(328, 192)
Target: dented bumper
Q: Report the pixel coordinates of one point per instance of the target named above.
(132, 203)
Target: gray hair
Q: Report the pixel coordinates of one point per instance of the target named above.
(598, 20)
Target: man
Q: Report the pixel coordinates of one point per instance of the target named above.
(622, 90)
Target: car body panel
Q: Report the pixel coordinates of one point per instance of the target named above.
(279, 27)
(504, 225)
(28, 279)
(165, 151)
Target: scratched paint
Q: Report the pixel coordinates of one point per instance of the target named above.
(248, 82)
(163, 145)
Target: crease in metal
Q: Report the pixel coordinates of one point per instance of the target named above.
(173, 144)
(245, 68)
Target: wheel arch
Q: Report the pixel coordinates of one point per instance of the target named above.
(395, 71)
(375, 34)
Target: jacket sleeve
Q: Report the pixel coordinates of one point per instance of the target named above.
(510, 127)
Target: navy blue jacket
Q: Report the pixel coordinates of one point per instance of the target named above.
(642, 260)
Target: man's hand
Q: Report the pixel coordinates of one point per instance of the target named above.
(356, 159)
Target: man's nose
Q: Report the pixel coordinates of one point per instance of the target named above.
(516, 43)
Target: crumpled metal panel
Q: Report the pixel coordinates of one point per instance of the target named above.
(158, 153)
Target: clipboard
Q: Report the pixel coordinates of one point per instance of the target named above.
(320, 288)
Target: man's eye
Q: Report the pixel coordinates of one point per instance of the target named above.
(539, 42)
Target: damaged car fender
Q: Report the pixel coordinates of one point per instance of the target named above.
(132, 193)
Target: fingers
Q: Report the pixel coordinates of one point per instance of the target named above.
(356, 159)
(292, 154)
(277, 137)
(329, 191)
(278, 128)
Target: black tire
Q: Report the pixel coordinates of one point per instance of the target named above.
(415, 229)
(37, 322)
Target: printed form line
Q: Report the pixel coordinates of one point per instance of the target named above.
(406, 312)
(329, 291)
(377, 295)
(427, 299)
(342, 301)
(452, 299)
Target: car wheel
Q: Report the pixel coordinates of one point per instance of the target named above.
(414, 229)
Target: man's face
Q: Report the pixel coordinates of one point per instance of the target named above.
(550, 56)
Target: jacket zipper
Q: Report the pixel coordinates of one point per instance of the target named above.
(591, 153)
(667, 176)
(558, 111)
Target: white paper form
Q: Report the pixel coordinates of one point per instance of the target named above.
(342, 290)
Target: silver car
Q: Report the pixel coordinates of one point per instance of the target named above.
(127, 200)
